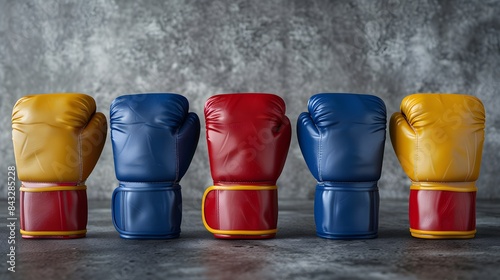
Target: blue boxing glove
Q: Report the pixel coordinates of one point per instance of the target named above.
(154, 139)
(342, 140)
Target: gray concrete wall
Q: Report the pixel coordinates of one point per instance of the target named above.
(291, 48)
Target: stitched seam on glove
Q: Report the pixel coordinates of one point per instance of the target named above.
(270, 183)
(53, 182)
(145, 182)
(416, 148)
(349, 182)
(444, 181)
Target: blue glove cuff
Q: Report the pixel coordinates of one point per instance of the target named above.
(346, 210)
(147, 210)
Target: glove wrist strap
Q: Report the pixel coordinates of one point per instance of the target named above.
(147, 210)
(442, 213)
(53, 210)
(240, 210)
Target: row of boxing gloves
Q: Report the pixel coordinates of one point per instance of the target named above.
(58, 138)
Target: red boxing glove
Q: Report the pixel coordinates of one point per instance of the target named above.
(248, 137)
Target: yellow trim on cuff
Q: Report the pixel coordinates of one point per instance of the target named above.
(54, 233)
(430, 234)
(442, 186)
(53, 189)
(235, 188)
(241, 188)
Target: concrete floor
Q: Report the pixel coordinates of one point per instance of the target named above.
(296, 253)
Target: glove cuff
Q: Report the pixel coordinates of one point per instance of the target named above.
(445, 212)
(346, 210)
(147, 210)
(53, 210)
(241, 212)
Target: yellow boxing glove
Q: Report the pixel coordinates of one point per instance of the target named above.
(438, 139)
(57, 139)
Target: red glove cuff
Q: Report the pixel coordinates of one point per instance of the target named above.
(448, 211)
(241, 211)
(51, 210)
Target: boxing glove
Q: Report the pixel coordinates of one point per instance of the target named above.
(248, 137)
(342, 140)
(154, 138)
(438, 139)
(57, 140)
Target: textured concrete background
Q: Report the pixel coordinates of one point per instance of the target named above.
(291, 48)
